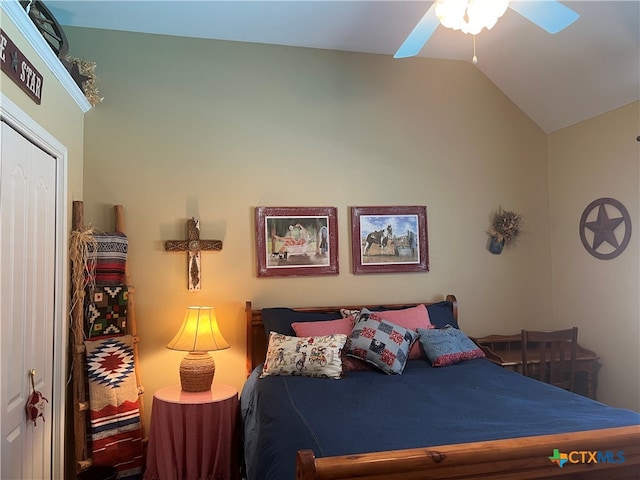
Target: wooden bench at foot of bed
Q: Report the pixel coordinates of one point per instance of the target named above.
(509, 459)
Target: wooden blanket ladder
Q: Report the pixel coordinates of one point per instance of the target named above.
(80, 394)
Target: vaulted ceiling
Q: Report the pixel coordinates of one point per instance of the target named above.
(591, 67)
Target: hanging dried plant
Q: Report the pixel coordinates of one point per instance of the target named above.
(505, 226)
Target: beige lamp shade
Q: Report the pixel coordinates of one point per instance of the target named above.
(199, 332)
(198, 335)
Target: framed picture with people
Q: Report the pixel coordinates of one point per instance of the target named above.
(296, 241)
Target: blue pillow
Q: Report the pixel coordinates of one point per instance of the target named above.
(279, 320)
(446, 346)
(441, 314)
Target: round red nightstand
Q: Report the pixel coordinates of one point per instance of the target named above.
(193, 435)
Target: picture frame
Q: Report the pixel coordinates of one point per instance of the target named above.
(389, 239)
(296, 241)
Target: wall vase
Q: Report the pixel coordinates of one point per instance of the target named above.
(496, 246)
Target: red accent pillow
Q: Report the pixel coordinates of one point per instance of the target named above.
(325, 327)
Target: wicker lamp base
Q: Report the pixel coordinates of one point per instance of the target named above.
(196, 372)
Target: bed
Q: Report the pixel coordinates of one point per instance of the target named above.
(464, 420)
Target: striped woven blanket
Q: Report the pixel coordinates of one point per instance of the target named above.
(109, 259)
(116, 434)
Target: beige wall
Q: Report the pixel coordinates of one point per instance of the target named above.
(213, 129)
(593, 159)
(58, 113)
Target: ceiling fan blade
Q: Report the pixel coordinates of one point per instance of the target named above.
(419, 35)
(549, 15)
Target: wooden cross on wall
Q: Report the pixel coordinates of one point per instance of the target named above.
(193, 245)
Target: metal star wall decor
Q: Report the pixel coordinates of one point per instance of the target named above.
(603, 238)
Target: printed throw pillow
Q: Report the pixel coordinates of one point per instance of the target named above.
(410, 318)
(381, 343)
(345, 312)
(308, 356)
(332, 327)
(448, 345)
(106, 311)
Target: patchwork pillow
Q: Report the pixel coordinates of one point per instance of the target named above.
(411, 318)
(308, 356)
(106, 311)
(279, 319)
(332, 327)
(381, 343)
(441, 314)
(448, 345)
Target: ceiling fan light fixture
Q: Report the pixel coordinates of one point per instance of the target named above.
(470, 16)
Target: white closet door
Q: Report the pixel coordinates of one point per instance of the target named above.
(27, 263)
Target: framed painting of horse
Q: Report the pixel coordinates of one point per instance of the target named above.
(389, 239)
(296, 241)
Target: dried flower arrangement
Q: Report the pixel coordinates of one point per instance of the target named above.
(86, 78)
(82, 72)
(505, 226)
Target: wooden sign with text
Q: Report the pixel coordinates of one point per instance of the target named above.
(19, 69)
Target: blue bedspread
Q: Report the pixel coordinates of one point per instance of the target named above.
(425, 406)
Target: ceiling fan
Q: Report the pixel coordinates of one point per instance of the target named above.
(549, 15)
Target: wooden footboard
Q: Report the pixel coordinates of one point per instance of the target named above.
(616, 451)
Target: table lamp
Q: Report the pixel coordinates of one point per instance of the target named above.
(198, 335)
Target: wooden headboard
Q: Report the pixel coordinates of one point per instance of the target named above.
(257, 341)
